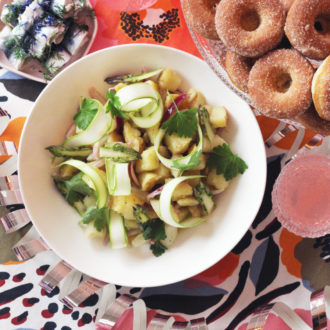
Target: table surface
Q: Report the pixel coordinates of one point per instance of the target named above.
(269, 263)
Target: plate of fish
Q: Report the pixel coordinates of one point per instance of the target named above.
(38, 38)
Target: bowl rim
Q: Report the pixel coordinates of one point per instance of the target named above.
(24, 191)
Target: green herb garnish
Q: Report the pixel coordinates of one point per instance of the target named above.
(99, 217)
(74, 189)
(158, 248)
(154, 229)
(86, 114)
(225, 162)
(182, 123)
(114, 105)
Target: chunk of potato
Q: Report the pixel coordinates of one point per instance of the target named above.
(91, 232)
(183, 190)
(180, 213)
(163, 172)
(119, 86)
(124, 204)
(193, 182)
(148, 180)
(218, 117)
(177, 144)
(195, 98)
(196, 211)
(114, 137)
(148, 162)
(188, 201)
(151, 213)
(169, 79)
(133, 137)
(153, 85)
(152, 132)
(217, 180)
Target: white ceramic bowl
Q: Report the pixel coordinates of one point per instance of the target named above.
(195, 249)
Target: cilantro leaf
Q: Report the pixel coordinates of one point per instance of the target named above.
(74, 189)
(182, 123)
(153, 229)
(193, 162)
(114, 105)
(158, 248)
(98, 215)
(86, 114)
(225, 162)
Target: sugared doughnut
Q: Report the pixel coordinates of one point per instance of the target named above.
(250, 27)
(200, 15)
(308, 27)
(280, 84)
(238, 68)
(321, 89)
(287, 4)
(311, 120)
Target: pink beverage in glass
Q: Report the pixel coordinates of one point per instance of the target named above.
(301, 196)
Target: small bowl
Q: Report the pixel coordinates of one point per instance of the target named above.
(195, 249)
(32, 69)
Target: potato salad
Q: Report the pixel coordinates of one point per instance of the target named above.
(144, 161)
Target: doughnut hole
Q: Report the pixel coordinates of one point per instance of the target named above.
(280, 84)
(322, 24)
(281, 81)
(250, 20)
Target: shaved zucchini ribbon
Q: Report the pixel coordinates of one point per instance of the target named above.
(184, 160)
(99, 126)
(143, 103)
(118, 173)
(95, 177)
(163, 207)
(117, 231)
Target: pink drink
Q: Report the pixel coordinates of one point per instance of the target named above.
(301, 196)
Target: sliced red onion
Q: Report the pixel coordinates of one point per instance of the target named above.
(218, 131)
(71, 131)
(96, 149)
(120, 124)
(155, 192)
(132, 174)
(171, 109)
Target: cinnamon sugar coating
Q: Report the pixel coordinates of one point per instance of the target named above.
(287, 4)
(238, 68)
(321, 89)
(200, 15)
(280, 84)
(308, 27)
(250, 27)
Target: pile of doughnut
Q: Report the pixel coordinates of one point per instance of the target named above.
(270, 45)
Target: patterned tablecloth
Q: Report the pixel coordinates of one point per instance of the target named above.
(268, 264)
